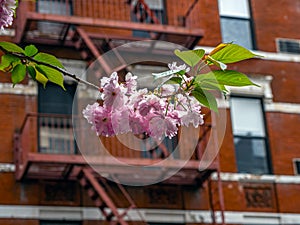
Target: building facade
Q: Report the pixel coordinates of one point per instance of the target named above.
(251, 172)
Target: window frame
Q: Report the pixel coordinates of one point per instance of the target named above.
(240, 18)
(268, 157)
(296, 166)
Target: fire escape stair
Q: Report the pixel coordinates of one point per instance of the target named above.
(100, 192)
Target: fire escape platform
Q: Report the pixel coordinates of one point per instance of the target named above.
(58, 167)
(175, 34)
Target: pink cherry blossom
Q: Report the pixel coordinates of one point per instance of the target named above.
(174, 66)
(150, 102)
(192, 117)
(157, 127)
(7, 9)
(88, 112)
(120, 121)
(138, 124)
(130, 83)
(113, 92)
(171, 125)
(102, 121)
(156, 114)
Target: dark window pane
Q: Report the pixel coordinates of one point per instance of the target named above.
(251, 155)
(152, 149)
(53, 99)
(289, 46)
(297, 163)
(237, 31)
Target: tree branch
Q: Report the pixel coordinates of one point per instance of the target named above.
(64, 72)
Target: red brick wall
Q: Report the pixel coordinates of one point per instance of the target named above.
(19, 221)
(12, 114)
(284, 145)
(275, 19)
(285, 77)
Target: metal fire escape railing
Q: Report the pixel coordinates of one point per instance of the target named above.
(45, 149)
(53, 22)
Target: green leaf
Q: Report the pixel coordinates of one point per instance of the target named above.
(18, 74)
(227, 77)
(53, 75)
(7, 61)
(11, 47)
(40, 77)
(31, 72)
(217, 63)
(30, 50)
(212, 85)
(174, 80)
(49, 59)
(190, 57)
(231, 53)
(205, 98)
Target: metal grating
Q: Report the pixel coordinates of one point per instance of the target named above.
(288, 45)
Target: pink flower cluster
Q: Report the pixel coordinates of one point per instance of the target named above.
(7, 9)
(125, 109)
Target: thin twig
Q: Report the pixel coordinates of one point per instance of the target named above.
(64, 72)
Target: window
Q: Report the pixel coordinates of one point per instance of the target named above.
(236, 23)
(54, 100)
(140, 14)
(250, 138)
(55, 107)
(55, 121)
(62, 7)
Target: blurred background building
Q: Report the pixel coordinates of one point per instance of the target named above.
(254, 178)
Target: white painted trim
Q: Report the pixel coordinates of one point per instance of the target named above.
(281, 179)
(8, 32)
(7, 167)
(280, 107)
(274, 56)
(19, 89)
(149, 215)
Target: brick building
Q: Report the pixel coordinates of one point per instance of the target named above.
(253, 179)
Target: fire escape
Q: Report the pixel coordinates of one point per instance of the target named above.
(93, 28)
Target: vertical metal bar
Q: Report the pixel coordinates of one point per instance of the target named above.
(219, 184)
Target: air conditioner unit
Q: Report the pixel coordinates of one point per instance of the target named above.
(286, 45)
